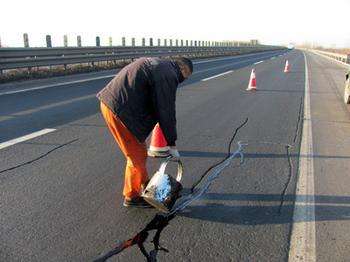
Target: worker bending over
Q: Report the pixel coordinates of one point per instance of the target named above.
(141, 95)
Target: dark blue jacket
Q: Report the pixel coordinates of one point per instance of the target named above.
(144, 93)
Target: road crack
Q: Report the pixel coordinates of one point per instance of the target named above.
(290, 163)
(160, 221)
(39, 157)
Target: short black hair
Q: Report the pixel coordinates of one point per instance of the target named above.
(184, 61)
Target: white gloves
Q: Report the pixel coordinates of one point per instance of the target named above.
(174, 152)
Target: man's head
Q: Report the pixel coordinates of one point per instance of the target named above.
(186, 66)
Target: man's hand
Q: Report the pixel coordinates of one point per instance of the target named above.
(174, 152)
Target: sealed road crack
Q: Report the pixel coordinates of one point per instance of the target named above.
(39, 157)
(160, 221)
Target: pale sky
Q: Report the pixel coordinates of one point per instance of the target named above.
(270, 21)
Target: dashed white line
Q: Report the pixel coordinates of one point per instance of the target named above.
(46, 107)
(26, 137)
(109, 76)
(54, 85)
(222, 59)
(258, 62)
(303, 239)
(215, 76)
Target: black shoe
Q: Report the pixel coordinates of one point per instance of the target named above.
(136, 202)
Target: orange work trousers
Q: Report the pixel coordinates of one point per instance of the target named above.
(134, 152)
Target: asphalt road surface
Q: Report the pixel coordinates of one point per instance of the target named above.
(60, 189)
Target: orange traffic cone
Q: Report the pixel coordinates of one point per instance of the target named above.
(286, 67)
(252, 81)
(158, 146)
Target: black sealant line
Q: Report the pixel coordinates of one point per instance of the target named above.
(160, 221)
(39, 157)
(300, 115)
(288, 147)
(290, 174)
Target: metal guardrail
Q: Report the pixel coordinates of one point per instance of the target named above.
(13, 58)
(340, 57)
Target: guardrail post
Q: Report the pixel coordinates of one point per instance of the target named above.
(171, 42)
(182, 42)
(48, 41)
(98, 42)
(191, 42)
(110, 40)
(79, 41)
(151, 41)
(65, 41)
(143, 41)
(133, 42)
(123, 41)
(177, 42)
(158, 42)
(186, 42)
(26, 40)
(165, 42)
(195, 43)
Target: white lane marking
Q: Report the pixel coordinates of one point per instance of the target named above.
(53, 85)
(225, 73)
(222, 59)
(258, 62)
(41, 108)
(303, 239)
(26, 137)
(104, 77)
(226, 65)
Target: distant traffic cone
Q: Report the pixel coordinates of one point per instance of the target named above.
(287, 67)
(252, 81)
(158, 146)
